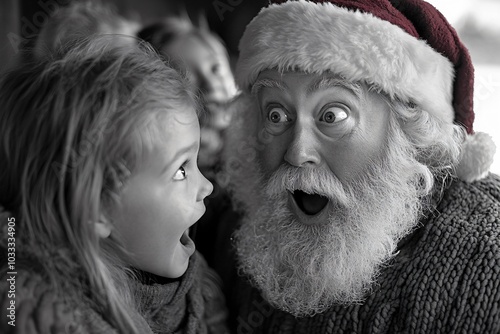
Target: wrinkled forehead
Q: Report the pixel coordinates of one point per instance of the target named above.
(311, 82)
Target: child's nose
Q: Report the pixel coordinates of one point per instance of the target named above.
(206, 188)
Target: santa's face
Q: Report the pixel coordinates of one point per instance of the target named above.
(328, 193)
(319, 122)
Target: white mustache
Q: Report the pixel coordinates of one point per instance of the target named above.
(307, 179)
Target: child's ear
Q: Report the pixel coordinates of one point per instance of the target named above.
(102, 227)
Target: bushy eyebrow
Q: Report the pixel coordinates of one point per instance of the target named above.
(329, 82)
(269, 83)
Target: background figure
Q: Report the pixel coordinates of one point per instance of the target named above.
(202, 56)
(82, 19)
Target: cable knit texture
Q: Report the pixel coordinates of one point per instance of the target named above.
(192, 304)
(445, 278)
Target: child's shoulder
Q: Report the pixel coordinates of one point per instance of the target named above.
(32, 304)
(36, 305)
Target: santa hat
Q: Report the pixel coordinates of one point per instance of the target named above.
(404, 47)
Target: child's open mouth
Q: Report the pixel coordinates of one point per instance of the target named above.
(187, 242)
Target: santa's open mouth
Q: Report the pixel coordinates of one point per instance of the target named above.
(310, 204)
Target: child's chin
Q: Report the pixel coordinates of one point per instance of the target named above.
(178, 270)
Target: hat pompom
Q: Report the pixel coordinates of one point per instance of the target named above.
(476, 158)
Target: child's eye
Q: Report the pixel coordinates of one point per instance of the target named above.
(180, 174)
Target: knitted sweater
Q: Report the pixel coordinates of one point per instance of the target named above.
(445, 278)
(192, 304)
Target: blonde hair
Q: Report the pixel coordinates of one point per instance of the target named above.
(72, 131)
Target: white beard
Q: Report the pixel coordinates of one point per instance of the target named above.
(304, 269)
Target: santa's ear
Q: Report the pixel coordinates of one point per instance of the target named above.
(102, 227)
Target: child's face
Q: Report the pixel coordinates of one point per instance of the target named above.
(163, 198)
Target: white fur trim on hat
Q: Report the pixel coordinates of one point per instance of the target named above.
(476, 157)
(314, 38)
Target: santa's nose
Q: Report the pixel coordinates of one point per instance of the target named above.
(303, 148)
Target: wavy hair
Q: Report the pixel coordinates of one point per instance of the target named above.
(73, 128)
(437, 145)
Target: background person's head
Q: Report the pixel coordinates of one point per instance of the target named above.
(197, 51)
(75, 131)
(358, 113)
(82, 19)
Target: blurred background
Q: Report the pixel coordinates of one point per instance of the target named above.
(227, 18)
(477, 23)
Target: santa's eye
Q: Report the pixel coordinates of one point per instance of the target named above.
(277, 115)
(333, 114)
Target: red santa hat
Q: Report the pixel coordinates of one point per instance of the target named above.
(404, 47)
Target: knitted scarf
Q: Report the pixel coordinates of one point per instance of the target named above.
(176, 306)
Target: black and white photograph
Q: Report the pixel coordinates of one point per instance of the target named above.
(249, 167)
